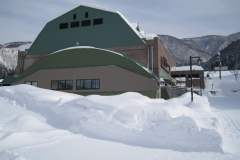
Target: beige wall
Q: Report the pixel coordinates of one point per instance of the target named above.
(112, 78)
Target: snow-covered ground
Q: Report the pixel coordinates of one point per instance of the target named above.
(226, 106)
(38, 124)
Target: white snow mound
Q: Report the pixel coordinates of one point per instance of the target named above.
(129, 118)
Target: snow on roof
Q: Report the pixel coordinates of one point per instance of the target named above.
(91, 47)
(85, 47)
(187, 68)
(130, 25)
(150, 36)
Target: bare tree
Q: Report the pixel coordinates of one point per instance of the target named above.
(236, 70)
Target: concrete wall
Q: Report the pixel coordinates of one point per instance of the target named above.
(112, 79)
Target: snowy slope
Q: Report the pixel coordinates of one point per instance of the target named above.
(9, 53)
(43, 124)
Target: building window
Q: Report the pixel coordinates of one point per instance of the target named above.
(62, 84)
(86, 23)
(33, 83)
(74, 24)
(74, 16)
(97, 21)
(86, 14)
(54, 84)
(63, 25)
(82, 84)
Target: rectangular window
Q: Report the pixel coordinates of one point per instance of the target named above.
(96, 83)
(33, 83)
(62, 84)
(69, 84)
(85, 23)
(74, 16)
(54, 84)
(27, 82)
(97, 21)
(87, 84)
(86, 14)
(74, 24)
(63, 25)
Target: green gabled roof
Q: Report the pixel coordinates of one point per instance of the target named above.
(115, 31)
(76, 57)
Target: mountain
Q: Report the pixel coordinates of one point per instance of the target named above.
(205, 46)
(209, 44)
(9, 55)
(212, 43)
(181, 50)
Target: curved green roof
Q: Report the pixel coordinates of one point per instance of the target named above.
(76, 57)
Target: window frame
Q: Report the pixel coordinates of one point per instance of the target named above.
(64, 25)
(97, 21)
(92, 85)
(74, 16)
(85, 23)
(62, 84)
(86, 14)
(74, 24)
(31, 83)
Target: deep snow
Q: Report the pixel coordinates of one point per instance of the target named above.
(43, 124)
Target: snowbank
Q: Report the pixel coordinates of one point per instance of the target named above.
(128, 118)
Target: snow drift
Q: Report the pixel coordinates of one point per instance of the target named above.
(129, 118)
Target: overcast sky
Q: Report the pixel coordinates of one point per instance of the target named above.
(22, 20)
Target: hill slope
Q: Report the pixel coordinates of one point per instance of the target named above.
(205, 46)
(181, 50)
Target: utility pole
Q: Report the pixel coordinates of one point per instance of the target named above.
(190, 61)
(191, 79)
(220, 66)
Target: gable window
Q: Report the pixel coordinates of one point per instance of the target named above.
(62, 84)
(85, 23)
(63, 25)
(74, 16)
(86, 14)
(97, 21)
(74, 24)
(33, 83)
(82, 84)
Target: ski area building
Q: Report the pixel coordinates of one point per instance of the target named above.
(95, 51)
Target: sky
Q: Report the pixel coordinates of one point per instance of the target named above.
(22, 20)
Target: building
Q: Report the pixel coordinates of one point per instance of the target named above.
(123, 50)
(183, 75)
